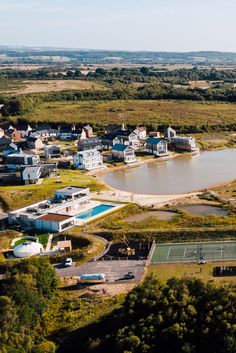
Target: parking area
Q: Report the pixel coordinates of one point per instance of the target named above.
(112, 269)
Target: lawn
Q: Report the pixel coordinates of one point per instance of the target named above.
(154, 112)
(14, 197)
(166, 271)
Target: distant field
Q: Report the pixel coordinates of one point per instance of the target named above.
(36, 86)
(137, 112)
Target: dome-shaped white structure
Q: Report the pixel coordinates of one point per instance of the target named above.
(28, 249)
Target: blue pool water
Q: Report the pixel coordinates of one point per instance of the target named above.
(94, 211)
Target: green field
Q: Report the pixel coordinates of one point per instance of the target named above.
(154, 112)
(14, 197)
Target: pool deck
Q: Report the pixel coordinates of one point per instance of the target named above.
(115, 206)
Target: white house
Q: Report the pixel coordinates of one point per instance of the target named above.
(35, 143)
(170, 133)
(31, 174)
(124, 153)
(141, 132)
(55, 214)
(157, 146)
(89, 160)
(52, 151)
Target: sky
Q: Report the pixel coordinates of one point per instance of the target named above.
(153, 25)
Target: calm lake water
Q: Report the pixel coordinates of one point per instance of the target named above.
(180, 175)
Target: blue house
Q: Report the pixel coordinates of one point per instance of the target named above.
(157, 146)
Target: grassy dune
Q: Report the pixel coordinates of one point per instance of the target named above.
(137, 112)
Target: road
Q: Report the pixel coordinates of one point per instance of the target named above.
(112, 269)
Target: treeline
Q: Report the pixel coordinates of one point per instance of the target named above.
(181, 316)
(25, 295)
(25, 104)
(150, 74)
(127, 75)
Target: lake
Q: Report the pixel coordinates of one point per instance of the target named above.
(184, 174)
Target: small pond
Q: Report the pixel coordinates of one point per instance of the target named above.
(204, 210)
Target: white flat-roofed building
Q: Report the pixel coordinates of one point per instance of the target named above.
(89, 160)
(55, 214)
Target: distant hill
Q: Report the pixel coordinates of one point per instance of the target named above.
(82, 56)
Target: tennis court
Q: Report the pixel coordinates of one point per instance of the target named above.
(194, 252)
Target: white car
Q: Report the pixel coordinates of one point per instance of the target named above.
(68, 262)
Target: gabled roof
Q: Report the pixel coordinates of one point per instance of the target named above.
(125, 133)
(5, 140)
(154, 140)
(88, 153)
(110, 136)
(32, 138)
(90, 140)
(120, 147)
(30, 168)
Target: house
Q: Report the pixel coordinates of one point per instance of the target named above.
(129, 138)
(13, 133)
(55, 214)
(123, 153)
(141, 132)
(47, 134)
(16, 160)
(88, 131)
(109, 140)
(184, 143)
(34, 143)
(169, 133)
(10, 149)
(68, 133)
(157, 146)
(31, 174)
(52, 151)
(154, 134)
(4, 143)
(24, 130)
(90, 144)
(89, 160)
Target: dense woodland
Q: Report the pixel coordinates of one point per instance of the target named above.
(182, 316)
(25, 295)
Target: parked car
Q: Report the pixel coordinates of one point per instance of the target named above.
(68, 262)
(127, 276)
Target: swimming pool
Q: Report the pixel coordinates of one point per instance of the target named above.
(94, 211)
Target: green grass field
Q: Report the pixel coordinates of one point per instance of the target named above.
(166, 271)
(137, 112)
(14, 197)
